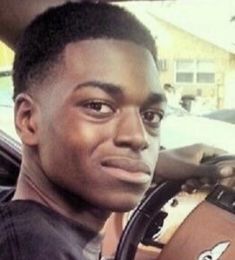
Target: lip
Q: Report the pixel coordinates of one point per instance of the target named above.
(127, 169)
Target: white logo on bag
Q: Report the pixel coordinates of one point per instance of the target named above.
(215, 253)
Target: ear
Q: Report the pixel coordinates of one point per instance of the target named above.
(26, 119)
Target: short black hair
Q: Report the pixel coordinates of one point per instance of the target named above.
(45, 38)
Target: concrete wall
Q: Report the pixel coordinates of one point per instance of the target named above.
(229, 90)
(177, 44)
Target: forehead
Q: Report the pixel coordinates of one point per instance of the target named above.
(121, 63)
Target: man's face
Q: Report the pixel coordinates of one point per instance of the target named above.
(99, 125)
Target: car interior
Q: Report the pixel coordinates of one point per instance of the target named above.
(168, 224)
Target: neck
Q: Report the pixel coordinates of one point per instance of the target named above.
(34, 185)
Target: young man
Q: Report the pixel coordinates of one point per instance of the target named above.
(184, 162)
(88, 108)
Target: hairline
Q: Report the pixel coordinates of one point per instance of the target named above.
(57, 62)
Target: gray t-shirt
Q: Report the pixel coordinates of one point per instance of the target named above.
(31, 231)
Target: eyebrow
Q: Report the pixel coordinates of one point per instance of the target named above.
(155, 98)
(116, 91)
(112, 89)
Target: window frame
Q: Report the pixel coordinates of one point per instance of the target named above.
(195, 71)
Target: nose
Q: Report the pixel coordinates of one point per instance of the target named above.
(131, 131)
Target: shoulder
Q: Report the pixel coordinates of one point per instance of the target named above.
(28, 219)
(29, 231)
(33, 231)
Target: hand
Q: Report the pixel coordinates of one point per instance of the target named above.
(223, 174)
(185, 163)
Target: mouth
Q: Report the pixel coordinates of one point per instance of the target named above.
(127, 170)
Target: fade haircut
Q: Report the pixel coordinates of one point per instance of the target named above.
(44, 40)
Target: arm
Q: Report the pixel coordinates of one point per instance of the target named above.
(184, 163)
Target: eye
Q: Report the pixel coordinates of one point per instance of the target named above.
(152, 117)
(99, 107)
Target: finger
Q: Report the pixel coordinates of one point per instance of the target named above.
(188, 189)
(228, 162)
(212, 151)
(229, 182)
(191, 185)
(214, 172)
(211, 172)
(226, 171)
(206, 181)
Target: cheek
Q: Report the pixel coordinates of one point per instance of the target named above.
(84, 139)
(77, 128)
(69, 143)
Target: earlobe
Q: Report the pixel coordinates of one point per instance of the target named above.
(26, 119)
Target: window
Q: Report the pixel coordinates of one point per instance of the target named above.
(194, 71)
(205, 72)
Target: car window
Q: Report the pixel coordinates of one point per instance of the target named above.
(6, 90)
